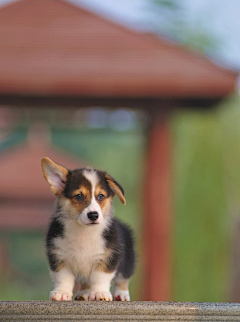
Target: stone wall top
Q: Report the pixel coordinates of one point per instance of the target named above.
(118, 311)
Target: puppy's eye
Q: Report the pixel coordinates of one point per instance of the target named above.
(100, 197)
(79, 197)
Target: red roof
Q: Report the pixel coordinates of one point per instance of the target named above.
(51, 47)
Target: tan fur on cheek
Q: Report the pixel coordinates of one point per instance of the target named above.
(80, 206)
(106, 204)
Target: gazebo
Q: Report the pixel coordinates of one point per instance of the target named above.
(53, 53)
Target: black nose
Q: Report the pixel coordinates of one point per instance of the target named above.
(93, 215)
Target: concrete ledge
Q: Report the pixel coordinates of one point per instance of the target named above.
(118, 311)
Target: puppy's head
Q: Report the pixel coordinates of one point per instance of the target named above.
(84, 194)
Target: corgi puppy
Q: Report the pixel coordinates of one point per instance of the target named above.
(85, 243)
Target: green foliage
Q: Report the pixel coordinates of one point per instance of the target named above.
(28, 277)
(207, 189)
(167, 4)
(230, 120)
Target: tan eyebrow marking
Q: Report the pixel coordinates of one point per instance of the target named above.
(83, 190)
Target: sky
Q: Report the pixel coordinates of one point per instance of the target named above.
(218, 17)
(222, 19)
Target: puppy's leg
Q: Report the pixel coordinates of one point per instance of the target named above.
(63, 285)
(100, 286)
(83, 293)
(120, 289)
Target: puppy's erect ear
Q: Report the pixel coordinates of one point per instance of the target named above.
(55, 174)
(116, 188)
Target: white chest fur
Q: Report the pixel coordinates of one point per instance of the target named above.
(81, 248)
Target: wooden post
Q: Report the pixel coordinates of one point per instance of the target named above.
(157, 218)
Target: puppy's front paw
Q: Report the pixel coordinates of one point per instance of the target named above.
(120, 295)
(82, 295)
(100, 296)
(60, 296)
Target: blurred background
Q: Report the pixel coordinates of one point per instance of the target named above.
(147, 90)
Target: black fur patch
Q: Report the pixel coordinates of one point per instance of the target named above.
(75, 180)
(103, 183)
(53, 261)
(119, 239)
(56, 229)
